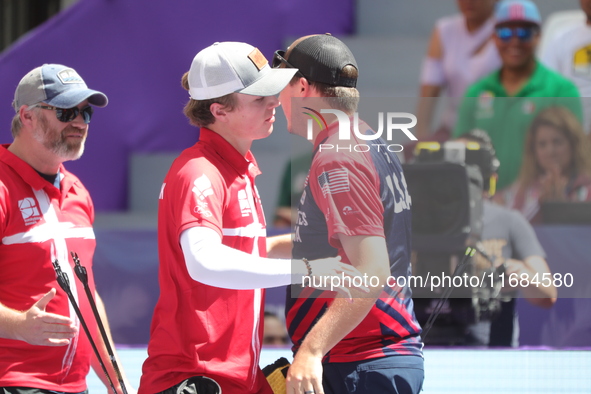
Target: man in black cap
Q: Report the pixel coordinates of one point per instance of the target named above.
(355, 204)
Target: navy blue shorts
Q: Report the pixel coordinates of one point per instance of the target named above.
(393, 374)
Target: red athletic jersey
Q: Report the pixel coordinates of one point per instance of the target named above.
(39, 223)
(357, 190)
(200, 330)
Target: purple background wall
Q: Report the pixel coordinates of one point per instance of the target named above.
(136, 52)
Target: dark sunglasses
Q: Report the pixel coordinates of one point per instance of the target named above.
(523, 34)
(69, 114)
(278, 59)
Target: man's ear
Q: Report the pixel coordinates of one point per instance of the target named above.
(304, 87)
(307, 89)
(27, 117)
(218, 111)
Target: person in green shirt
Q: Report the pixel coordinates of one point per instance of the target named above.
(505, 102)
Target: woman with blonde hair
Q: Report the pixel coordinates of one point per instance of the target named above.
(556, 164)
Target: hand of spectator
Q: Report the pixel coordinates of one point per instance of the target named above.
(38, 327)
(332, 274)
(305, 374)
(533, 277)
(553, 186)
(516, 268)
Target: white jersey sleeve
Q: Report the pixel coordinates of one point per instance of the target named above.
(215, 264)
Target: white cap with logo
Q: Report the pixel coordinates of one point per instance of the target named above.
(234, 67)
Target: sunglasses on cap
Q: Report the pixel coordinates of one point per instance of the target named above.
(523, 34)
(69, 114)
(278, 59)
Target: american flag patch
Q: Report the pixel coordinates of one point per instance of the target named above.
(334, 181)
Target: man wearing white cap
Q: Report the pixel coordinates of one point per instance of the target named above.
(46, 213)
(206, 330)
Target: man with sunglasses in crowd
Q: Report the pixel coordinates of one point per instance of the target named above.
(46, 213)
(355, 205)
(505, 102)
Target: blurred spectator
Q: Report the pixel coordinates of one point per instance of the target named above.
(274, 332)
(568, 51)
(556, 21)
(292, 186)
(461, 50)
(556, 164)
(505, 102)
(508, 240)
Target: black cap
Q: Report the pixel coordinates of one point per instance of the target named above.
(321, 58)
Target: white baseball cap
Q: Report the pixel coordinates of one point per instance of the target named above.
(234, 67)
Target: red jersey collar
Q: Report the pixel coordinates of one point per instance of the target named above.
(332, 129)
(22, 168)
(243, 164)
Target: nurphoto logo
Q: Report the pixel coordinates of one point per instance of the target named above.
(392, 122)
